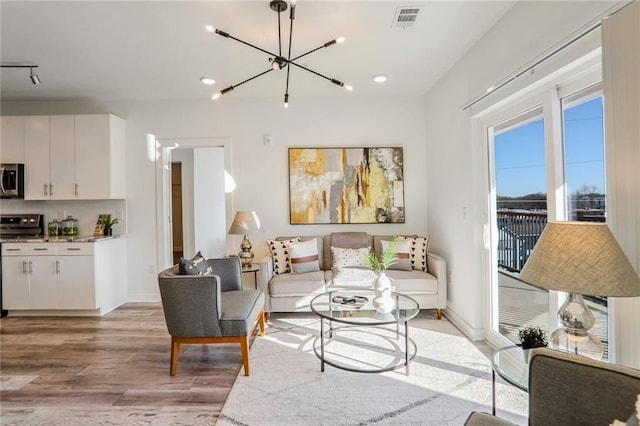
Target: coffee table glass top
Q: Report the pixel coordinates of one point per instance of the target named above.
(509, 363)
(356, 307)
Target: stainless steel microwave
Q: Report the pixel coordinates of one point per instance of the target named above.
(11, 180)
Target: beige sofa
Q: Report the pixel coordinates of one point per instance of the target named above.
(290, 292)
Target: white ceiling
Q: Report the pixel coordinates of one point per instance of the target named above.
(150, 50)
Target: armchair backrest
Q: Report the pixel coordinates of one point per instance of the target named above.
(578, 390)
(229, 269)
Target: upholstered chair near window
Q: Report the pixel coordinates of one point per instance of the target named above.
(210, 307)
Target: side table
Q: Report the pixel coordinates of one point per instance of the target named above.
(509, 363)
(255, 268)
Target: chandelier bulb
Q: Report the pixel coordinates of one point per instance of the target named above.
(210, 28)
(216, 96)
(286, 100)
(348, 87)
(340, 40)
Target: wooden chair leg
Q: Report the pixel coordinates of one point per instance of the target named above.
(439, 313)
(244, 345)
(175, 351)
(261, 321)
(268, 315)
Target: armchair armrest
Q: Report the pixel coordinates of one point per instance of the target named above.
(438, 268)
(266, 273)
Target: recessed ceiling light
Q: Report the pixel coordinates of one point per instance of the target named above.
(380, 78)
(208, 81)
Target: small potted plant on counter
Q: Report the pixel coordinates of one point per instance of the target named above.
(532, 337)
(107, 223)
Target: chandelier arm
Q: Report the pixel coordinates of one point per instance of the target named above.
(327, 44)
(292, 16)
(227, 35)
(333, 80)
(279, 36)
(249, 79)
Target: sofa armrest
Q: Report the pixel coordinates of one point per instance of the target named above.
(266, 273)
(437, 267)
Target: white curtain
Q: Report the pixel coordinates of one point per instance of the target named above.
(621, 67)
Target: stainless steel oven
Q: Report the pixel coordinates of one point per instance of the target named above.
(11, 180)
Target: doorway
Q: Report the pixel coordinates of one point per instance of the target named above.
(176, 211)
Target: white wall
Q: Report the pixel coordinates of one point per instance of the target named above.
(208, 202)
(261, 173)
(455, 210)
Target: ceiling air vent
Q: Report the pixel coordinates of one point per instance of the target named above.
(406, 16)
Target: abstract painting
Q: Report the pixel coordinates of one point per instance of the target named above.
(346, 185)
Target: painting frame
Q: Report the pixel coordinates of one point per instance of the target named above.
(346, 185)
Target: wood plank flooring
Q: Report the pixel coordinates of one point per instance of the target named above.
(109, 370)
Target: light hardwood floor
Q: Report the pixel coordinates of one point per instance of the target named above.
(109, 370)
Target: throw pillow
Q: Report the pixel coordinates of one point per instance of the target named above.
(280, 252)
(304, 256)
(197, 265)
(349, 258)
(403, 250)
(418, 252)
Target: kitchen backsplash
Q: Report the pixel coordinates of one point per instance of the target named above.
(85, 211)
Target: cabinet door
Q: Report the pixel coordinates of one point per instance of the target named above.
(93, 156)
(15, 282)
(43, 282)
(76, 282)
(11, 139)
(36, 158)
(62, 157)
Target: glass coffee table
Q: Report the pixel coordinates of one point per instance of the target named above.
(361, 342)
(509, 363)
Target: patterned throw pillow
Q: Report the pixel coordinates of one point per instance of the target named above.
(280, 252)
(349, 258)
(418, 252)
(403, 249)
(197, 265)
(304, 257)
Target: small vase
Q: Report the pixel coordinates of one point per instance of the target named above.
(383, 302)
(107, 232)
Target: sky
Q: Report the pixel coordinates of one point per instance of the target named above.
(519, 153)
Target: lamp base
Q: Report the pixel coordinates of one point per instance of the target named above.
(246, 255)
(574, 335)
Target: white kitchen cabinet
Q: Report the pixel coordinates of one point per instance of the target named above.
(36, 158)
(74, 157)
(62, 157)
(12, 139)
(100, 156)
(64, 278)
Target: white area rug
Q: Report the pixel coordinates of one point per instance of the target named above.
(448, 378)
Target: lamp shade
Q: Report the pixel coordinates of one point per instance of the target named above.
(244, 223)
(582, 258)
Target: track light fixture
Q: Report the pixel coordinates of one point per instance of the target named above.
(279, 61)
(34, 77)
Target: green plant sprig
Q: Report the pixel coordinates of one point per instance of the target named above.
(108, 222)
(386, 259)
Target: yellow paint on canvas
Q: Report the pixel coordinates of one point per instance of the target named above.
(377, 192)
(310, 162)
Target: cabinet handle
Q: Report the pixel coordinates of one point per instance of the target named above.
(57, 266)
(10, 249)
(73, 248)
(30, 267)
(46, 189)
(77, 189)
(51, 189)
(24, 266)
(41, 249)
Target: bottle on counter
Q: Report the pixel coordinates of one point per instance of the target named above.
(70, 226)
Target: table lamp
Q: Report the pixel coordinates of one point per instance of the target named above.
(580, 258)
(244, 223)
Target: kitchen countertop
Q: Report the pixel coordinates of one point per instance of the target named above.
(60, 239)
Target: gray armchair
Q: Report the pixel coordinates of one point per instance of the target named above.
(573, 390)
(210, 309)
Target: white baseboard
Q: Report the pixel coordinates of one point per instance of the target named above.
(473, 334)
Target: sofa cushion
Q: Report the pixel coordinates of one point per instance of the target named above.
(350, 257)
(197, 265)
(304, 256)
(403, 250)
(419, 246)
(353, 278)
(280, 252)
(413, 282)
(284, 285)
(345, 240)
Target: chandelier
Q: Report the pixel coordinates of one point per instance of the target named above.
(279, 61)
